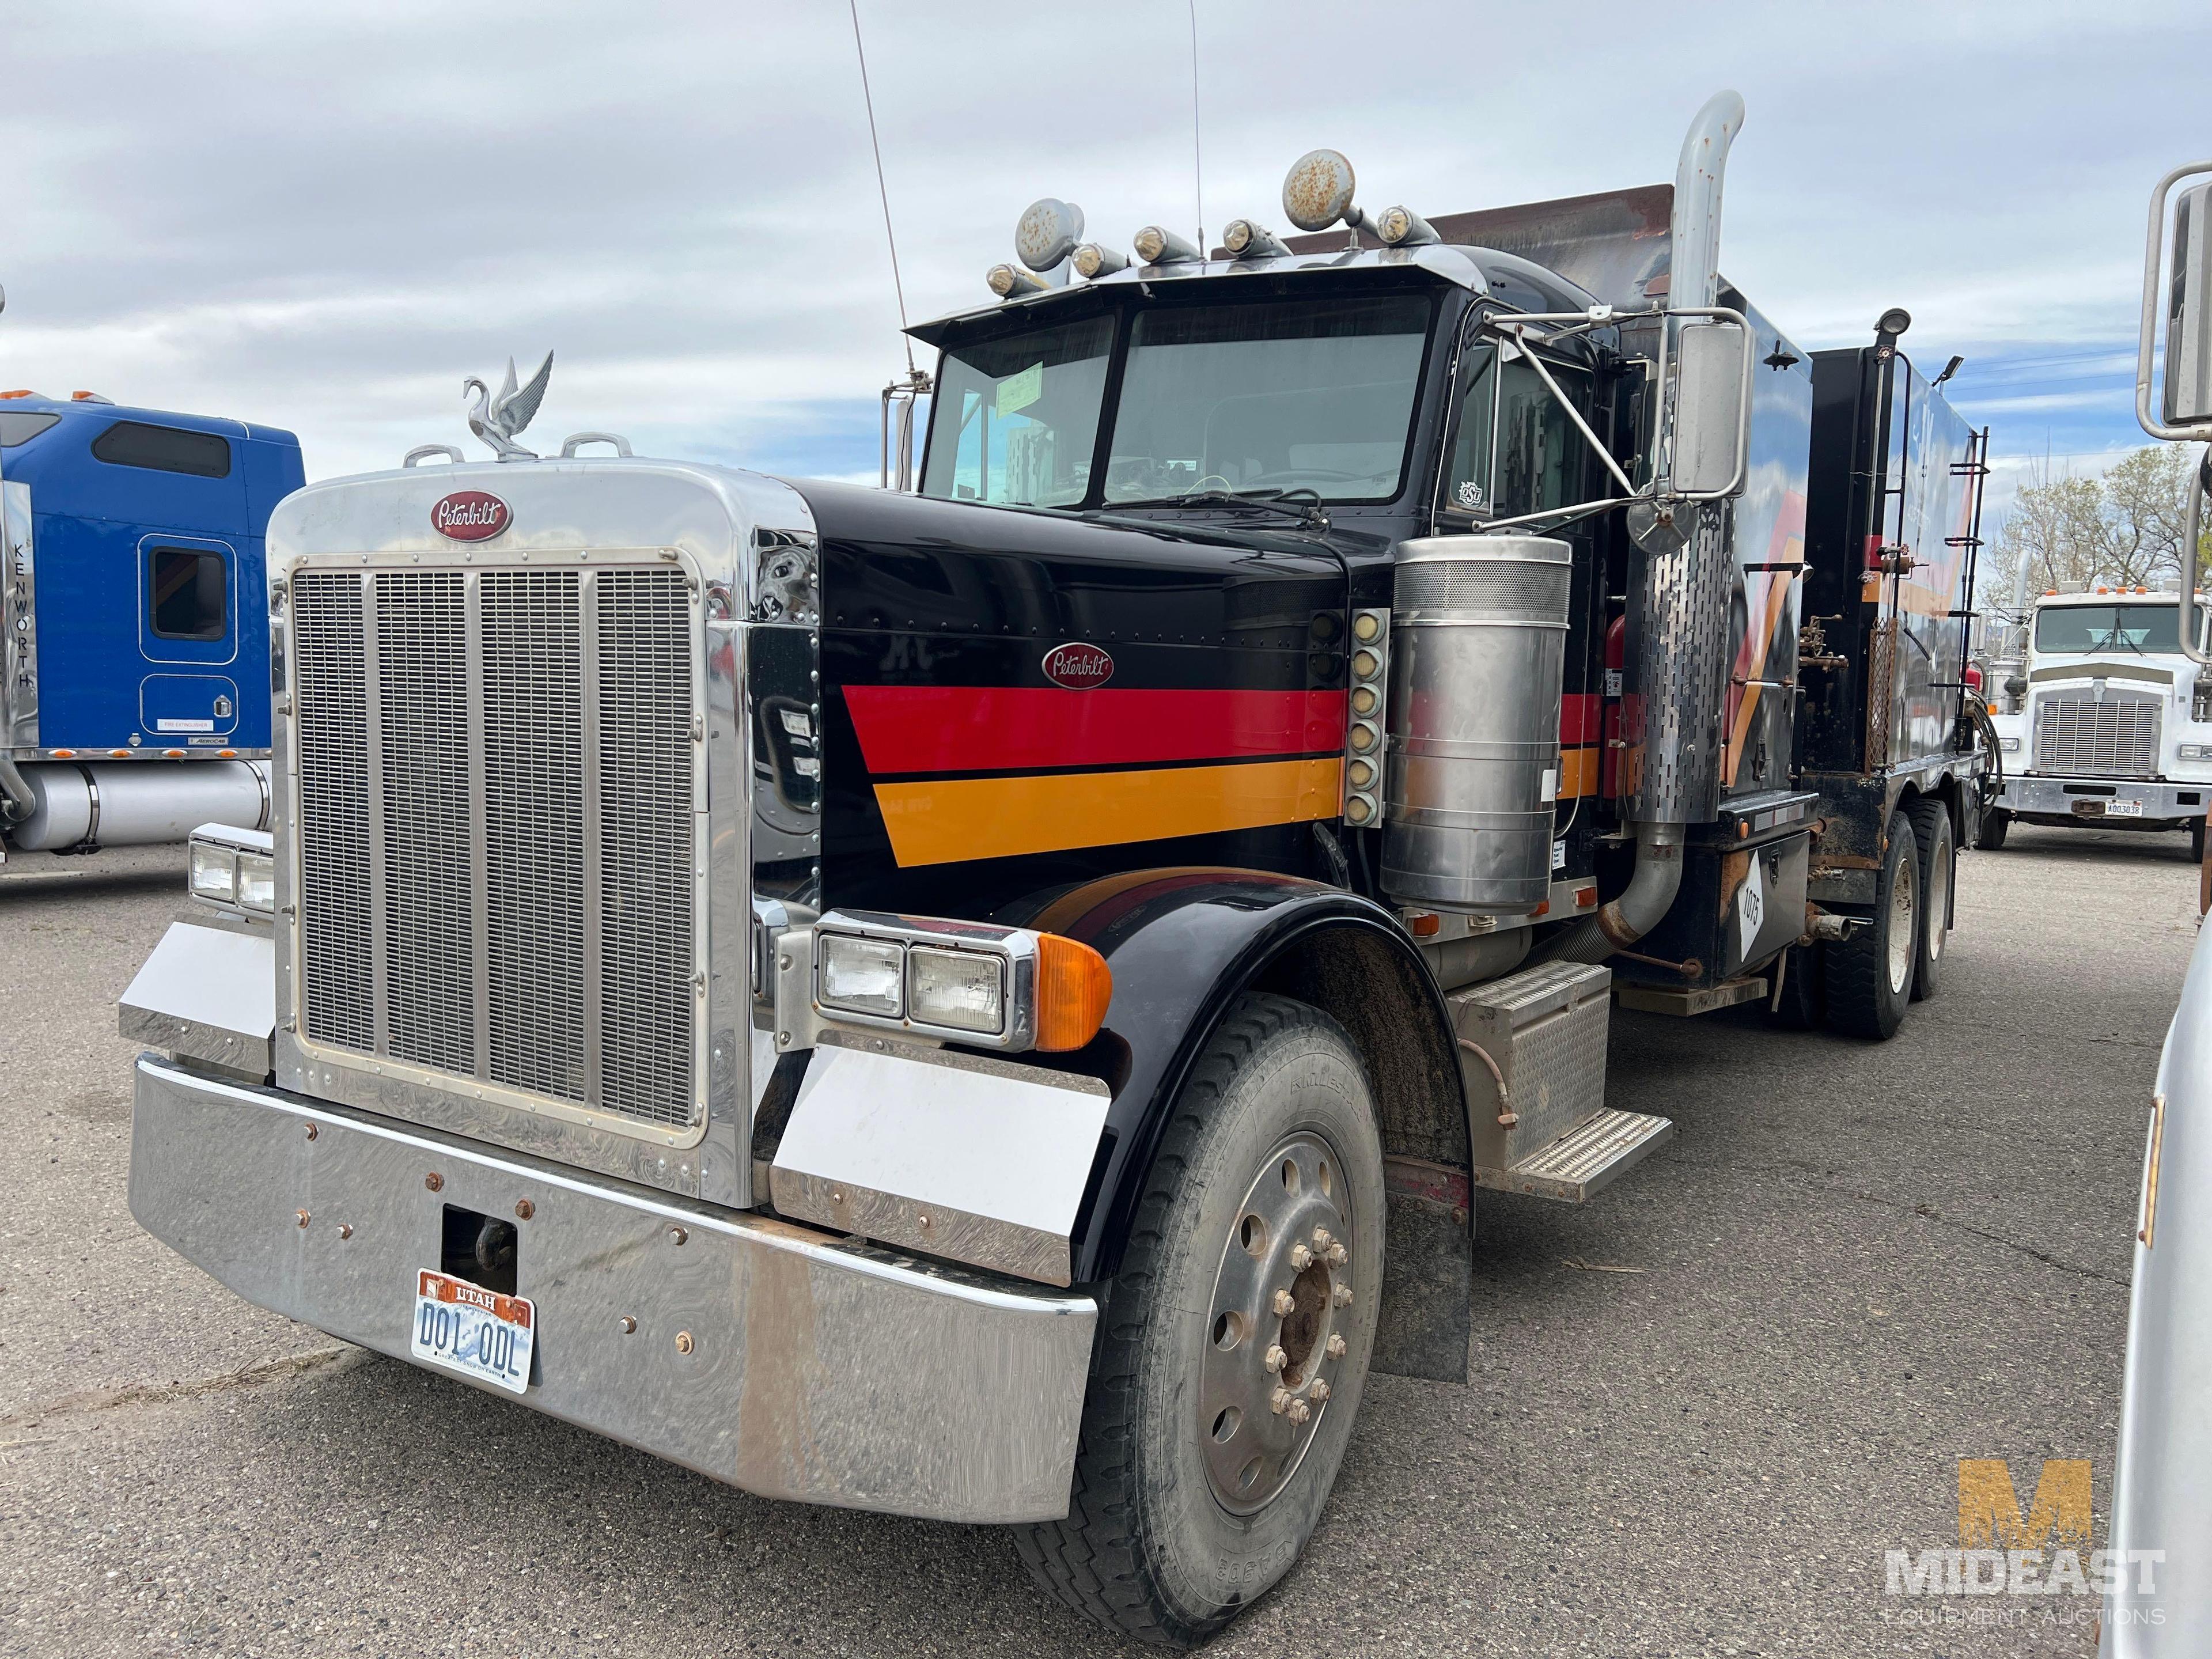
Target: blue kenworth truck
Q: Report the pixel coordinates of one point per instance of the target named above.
(134, 703)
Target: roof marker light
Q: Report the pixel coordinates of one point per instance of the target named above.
(1007, 281)
(1401, 227)
(1048, 233)
(1246, 239)
(1156, 245)
(1092, 261)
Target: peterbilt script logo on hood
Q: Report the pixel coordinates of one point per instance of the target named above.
(1079, 667)
(470, 515)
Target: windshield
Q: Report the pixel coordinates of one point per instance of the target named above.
(1310, 397)
(1016, 421)
(1299, 394)
(2146, 629)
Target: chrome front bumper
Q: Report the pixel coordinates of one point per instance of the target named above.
(810, 1367)
(2057, 797)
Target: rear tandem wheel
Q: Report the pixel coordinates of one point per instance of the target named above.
(1869, 971)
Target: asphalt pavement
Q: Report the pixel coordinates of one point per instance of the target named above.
(1703, 1407)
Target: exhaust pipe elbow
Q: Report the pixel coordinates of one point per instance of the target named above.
(1651, 888)
(1694, 278)
(17, 803)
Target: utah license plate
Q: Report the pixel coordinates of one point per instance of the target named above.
(464, 1328)
(2123, 809)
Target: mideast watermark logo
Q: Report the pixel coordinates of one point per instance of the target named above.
(2010, 1569)
(469, 515)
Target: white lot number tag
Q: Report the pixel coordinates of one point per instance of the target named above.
(1750, 906)
(2123, 809)
(464, 1328)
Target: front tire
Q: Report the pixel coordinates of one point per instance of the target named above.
(1931, 833)
(2196, 841)
(1234, 1343)
(1870, 972)
(1989, 837)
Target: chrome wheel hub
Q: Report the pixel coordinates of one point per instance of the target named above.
(1274, 1336)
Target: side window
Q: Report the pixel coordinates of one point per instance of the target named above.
(1467, 480)
(1540, 459)
(164, 449)
(187, 593)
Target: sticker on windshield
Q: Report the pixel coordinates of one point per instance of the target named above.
(1020, 391)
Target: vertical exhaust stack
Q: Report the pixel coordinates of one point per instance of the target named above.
(1678, 603)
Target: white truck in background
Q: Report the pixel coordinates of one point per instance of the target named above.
(2114, 722)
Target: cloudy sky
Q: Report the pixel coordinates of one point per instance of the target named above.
(323, 215)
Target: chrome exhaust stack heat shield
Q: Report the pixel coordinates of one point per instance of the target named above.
(1479, 631)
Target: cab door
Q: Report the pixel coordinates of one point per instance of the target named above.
(188, 634)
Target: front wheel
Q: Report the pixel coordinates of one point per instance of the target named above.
(1989, 837)
(2196, 841)
(1235, 1341)
(1871, 971)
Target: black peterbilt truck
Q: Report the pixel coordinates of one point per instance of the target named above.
(991, 1001)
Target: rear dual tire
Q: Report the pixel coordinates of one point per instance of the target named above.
(1930, 818)
(1869, 973)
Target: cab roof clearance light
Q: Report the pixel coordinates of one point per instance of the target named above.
(1007, 988)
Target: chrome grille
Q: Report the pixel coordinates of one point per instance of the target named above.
(2115, 737)
(495, 828)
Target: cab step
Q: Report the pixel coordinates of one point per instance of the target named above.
(1587, 1159)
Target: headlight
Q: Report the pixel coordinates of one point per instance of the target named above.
(863, 976)
(957, 988)
(1009, 988)
(256, 883)
(2196, 752)
(2011, 746)
(233, 871)
(215, 872)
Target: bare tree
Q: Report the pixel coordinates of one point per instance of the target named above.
(2123, 528)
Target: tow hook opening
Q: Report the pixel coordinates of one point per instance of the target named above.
(480, 1249)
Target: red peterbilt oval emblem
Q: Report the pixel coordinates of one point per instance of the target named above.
(1077, 667)
(470, 515)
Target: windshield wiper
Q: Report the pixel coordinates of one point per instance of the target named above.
(1302, 505)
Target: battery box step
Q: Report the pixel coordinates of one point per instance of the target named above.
(1585, 1160)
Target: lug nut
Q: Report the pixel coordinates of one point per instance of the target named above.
(1274, 1361)
(1341, 1296)
(1321, 1240)
(1335, 1258)
(1283, 1303)
(1301, 1258)
(1319, 1391)
(1279, 1402)
(1336, 1347)
(1297, 1411)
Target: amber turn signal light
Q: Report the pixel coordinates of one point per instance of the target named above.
(1073, 987)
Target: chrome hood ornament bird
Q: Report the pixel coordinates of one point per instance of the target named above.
(498, 420)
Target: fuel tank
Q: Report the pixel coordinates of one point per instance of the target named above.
(1016, 700)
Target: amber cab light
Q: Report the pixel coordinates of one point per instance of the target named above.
(1073, 987)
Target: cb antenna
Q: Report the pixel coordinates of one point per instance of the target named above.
(1197, 157)
(883, 191)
